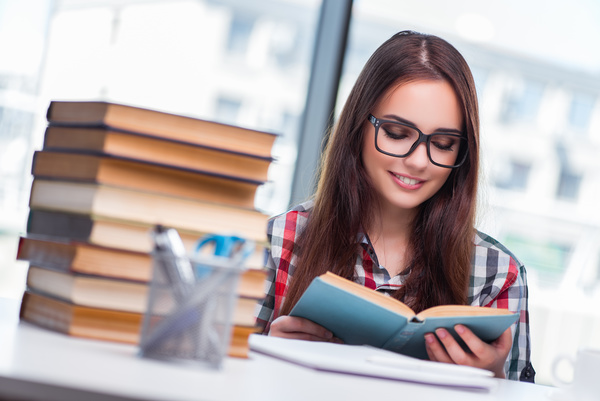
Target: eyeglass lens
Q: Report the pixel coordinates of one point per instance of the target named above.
(398, 140)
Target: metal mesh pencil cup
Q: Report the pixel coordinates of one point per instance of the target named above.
(194, 326)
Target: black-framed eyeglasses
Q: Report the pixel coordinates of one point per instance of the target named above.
(400, 140)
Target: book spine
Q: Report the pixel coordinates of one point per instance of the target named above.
(398, 340)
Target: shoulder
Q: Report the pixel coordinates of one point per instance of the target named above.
(287, 226)
(303, 208)
(495, 269)
(295, 218)
(490, 250)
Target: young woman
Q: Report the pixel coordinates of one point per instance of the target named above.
(395, 208)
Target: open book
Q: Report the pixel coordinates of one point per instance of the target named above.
(359, 315)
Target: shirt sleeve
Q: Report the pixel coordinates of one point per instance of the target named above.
(518, 365)
(499, 280)
(266, 309)
(513, 295)
(282, 233)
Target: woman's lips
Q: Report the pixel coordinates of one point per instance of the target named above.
(407, 182)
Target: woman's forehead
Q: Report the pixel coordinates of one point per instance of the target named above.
(429, 104)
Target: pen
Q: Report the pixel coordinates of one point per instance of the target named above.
(428, 366)
(176, 266)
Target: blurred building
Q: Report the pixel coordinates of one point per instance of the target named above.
(541, 132)
(541, 154)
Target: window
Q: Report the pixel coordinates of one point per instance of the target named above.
(516, 176)
(568, 185)
(184, 57)
(23, 28)
(546, 260)
(239, 33)
(284, 44)
(480, 76)
(596, 276)
(580, 112)
(15, 131)
(227, 109)
(522, 104)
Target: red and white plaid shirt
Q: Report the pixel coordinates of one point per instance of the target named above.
(498, 280)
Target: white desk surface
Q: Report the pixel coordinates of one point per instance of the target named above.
(39, 364)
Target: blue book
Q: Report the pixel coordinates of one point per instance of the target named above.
(360, 316)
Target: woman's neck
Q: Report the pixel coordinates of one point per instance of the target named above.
(389, 233)
(390, 220)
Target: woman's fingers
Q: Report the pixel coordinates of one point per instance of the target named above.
(435, 350)
(299, 328)
(442, 347)
(479, 354)
(455, 352)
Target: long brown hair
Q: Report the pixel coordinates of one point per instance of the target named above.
(442, 237)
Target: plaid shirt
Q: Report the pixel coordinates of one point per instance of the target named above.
(498, 280)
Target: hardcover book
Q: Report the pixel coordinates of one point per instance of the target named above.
(140, 146)
(120, 234)
(104, 324)
(114, 294)
(121, 203)
(359, 315)
(145, 176)
(82, 259)
(162, 125)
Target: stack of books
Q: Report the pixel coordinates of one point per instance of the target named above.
(107, 174)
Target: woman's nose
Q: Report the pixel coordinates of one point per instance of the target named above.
(418, 159)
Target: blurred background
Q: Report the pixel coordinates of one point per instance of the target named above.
(269, 65)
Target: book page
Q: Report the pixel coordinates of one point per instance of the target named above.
(368, 294)
(461, 310)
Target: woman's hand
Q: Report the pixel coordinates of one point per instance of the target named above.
(487, 356)
(300, 329)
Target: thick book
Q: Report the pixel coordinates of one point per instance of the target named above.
(145, 176)
(102, 140)
(161, 124)
(103, 324)
(149, 208)
(121, 234)
(359, 315)
(115, 294)
(117, 234)
(93, 260)
(86, 258)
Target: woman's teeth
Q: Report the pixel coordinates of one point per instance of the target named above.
(406, 180)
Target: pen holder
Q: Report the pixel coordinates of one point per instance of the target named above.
(194, 325)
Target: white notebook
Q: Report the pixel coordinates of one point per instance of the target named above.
(368, 361)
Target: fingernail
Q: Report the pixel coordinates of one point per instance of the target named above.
(429, 339)
(328, 334)
(459, 328)
(441, 333)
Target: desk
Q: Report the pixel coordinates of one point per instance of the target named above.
(38, 364)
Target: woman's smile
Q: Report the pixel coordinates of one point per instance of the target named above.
(407, 182)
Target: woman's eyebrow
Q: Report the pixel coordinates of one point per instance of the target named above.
(410, 123)
(400, 119)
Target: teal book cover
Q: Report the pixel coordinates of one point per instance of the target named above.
(360, 316)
